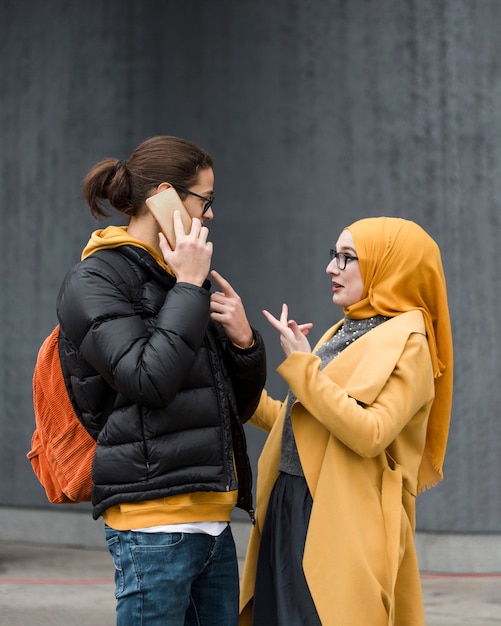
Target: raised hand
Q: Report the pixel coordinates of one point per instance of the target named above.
(226, 308)
(190, 260)
(292, 334)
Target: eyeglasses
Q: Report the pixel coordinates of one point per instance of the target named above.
(342, 258)
(208, 201)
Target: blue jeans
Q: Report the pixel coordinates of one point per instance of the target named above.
(174, 579)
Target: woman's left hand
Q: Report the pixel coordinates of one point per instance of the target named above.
(226, 308)
(292, 334)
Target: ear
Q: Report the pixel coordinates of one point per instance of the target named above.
(163, 187)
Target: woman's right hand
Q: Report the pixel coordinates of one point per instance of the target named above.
(191, 258)
(292, 334)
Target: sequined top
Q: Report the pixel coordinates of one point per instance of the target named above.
(349, 332)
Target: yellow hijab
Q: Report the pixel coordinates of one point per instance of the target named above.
(402, 271)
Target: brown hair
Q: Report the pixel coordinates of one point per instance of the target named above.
(125, 185)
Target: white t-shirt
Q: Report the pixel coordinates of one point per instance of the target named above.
(207, 528)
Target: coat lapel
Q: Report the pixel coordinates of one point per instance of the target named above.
(354, 369)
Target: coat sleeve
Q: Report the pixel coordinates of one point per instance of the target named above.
(267, 412)
(366, 429)
(147, 366)
(247, 371)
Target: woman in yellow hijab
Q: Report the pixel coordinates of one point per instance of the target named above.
(362, 431)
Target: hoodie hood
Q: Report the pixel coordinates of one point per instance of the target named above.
(116, 236)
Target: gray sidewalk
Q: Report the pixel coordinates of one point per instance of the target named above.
(50, 585)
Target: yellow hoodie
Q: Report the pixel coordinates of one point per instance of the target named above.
(183, 508)
(115, 236)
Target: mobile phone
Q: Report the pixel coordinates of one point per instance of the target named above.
(162, 206)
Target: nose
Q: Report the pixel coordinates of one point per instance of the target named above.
(208, 215)
(332, 267)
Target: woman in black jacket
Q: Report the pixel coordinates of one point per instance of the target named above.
(163, 373)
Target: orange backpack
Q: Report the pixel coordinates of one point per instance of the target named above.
(61, 449)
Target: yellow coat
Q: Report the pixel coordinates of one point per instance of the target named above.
(360, 427)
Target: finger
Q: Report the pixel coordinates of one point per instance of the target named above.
(178, 224)
(217, 298)
(204, 233)
(294, 327)
(300, 329)
(223, 283)
(273, 320)
(284, 314)
(196, 224)
(220, 300)
(305, 328)
(217, 305)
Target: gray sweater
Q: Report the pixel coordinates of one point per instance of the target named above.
(349, 332)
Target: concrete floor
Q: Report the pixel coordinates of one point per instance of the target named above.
(59, 586)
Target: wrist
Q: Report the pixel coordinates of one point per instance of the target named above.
(190, 279)
(246, 345)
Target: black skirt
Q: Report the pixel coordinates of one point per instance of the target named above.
(281, 594)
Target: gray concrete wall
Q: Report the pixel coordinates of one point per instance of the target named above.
(317, 114)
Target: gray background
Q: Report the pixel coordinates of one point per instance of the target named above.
(317, 113)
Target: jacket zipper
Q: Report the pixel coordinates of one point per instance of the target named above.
(210, 356)
(145, 447)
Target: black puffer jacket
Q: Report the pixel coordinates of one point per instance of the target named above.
(155, 382)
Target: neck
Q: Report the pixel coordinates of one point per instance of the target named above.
(144, 228)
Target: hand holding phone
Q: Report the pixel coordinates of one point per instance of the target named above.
(162, 206)
(190, 260)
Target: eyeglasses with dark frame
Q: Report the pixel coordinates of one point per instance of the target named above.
(341, 258)
(208, 201)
